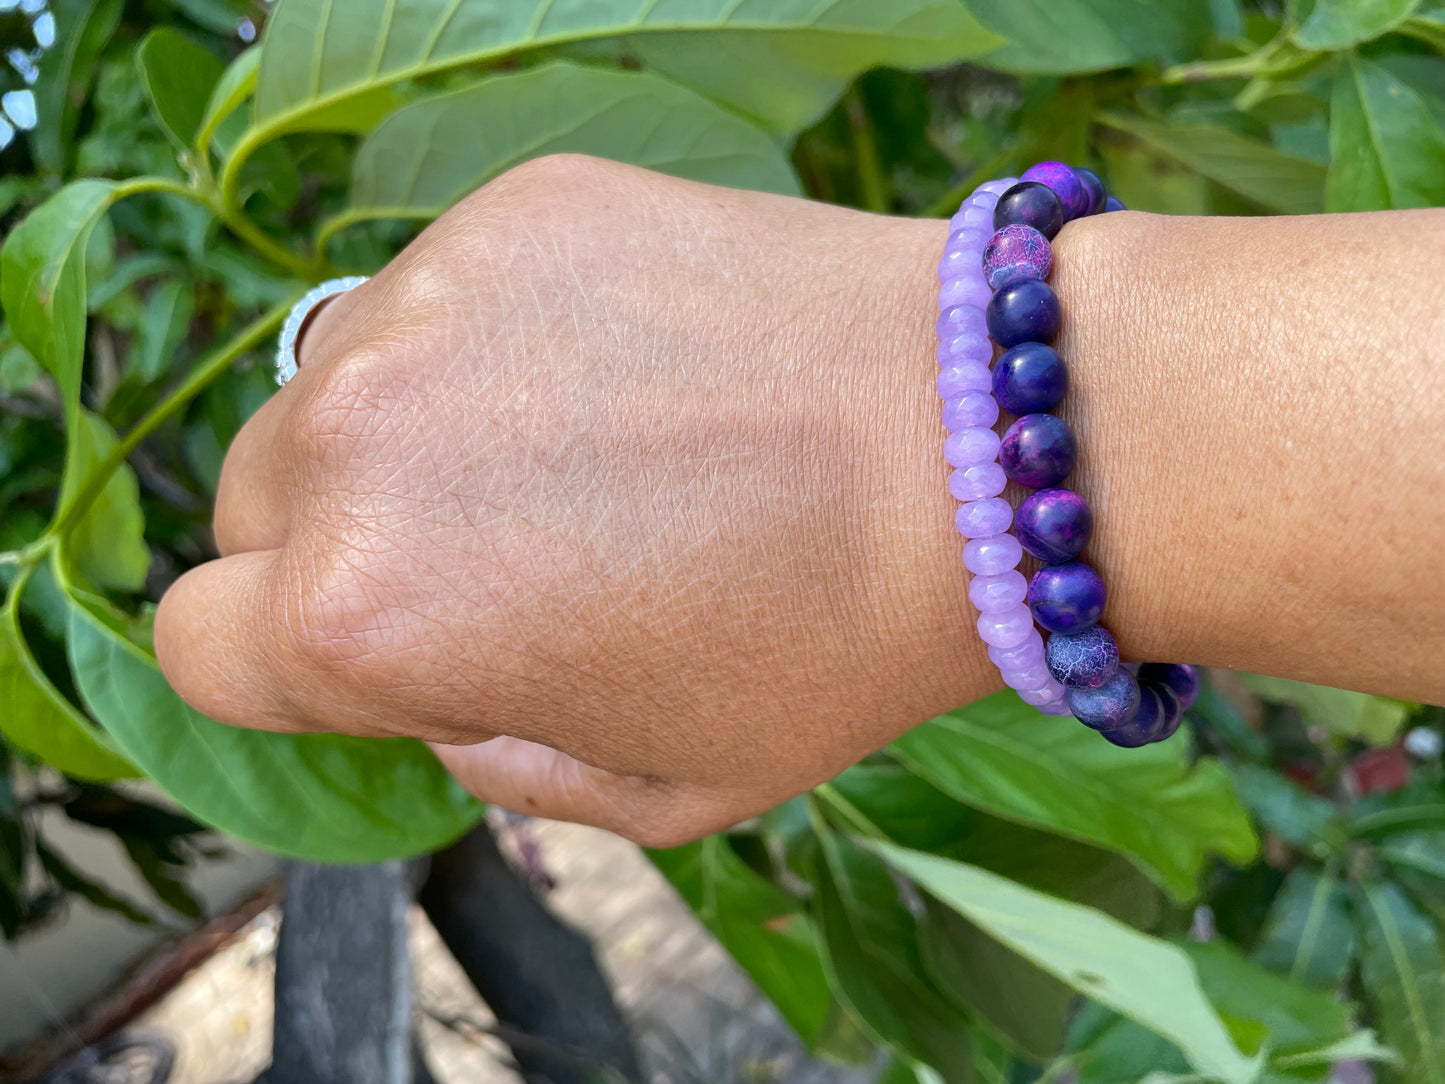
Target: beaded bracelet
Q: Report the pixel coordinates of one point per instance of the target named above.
(993, 287)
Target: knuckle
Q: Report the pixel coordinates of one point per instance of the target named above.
(551, 179)
(344, 406)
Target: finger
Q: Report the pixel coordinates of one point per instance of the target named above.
(534, 779)
(220, 644)
(253, 500)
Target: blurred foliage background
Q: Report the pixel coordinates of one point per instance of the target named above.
(997, 897)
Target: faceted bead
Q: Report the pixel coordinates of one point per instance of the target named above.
(1054, 707)
(998, 187)
(959, 320)
(959, 377)
(1066, 185)
(1029, 653)
(1007, 629)
(1030, 204)
(964, 290)
(1095, 187)
(1035, 677)
(992, 556)
(961, 252)
(994, 594)
(967, 447)
(1084, 660)
(1031, 378)
(1015, 253)
(1172, 715)
(1113, 203)
(970, 408)
(984, 518)
(1180, 678)
(1038, 451)
(980, 480)
(1054, 525)
(968, 346)
(1025, 312)
(1109, 705)
(1140, 727)
(1067, 598)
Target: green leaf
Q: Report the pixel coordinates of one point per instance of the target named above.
(1141, 977)
(1339, 711)
(38, 719)
(82, 27)
(1308, 935)
(1063, 37)
(1386, 148)
(426, 156)
(322, 797)
(1289, 811)
(178, 76)
(907, 809)
(871, 950)
(237, 83)
(1274, 180)
(108, 544)
(1403, 967)
(1420, 851)
(1338, 24)
(1291, 1017)
(163, 328)
(761, 926)
(1001, 756)
(324, 65)
(94, 893)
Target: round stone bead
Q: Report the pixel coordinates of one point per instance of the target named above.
(970, 408)
(1108, 705)
(1084, 660)
(959, 320)
(984, 518)
(1038, 451)
(1067, 598)
(992, 556)
(1054, 525)
(1007, 629)
(1025, 312)
(965, 290)
(967, 447)
(967, 346)
(962, 377)
(1171, 715)
(994, 594)
(1030, 378)
(1035, 677)
(1030, 204)
(980, 480)
(1180, 679)
(1140, 728)
(1066, 185)
(1015, 253)
(1095, 187)
(1113, 203)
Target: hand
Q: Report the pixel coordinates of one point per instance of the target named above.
(624, 490)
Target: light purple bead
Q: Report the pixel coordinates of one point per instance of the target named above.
(1015, 253)
(969, 346)
(963, 376)
(964, 290)
(1028, 653)
(980, 480)
(966, 447)
(1034, 678)
(993, 594)
(958, 320)
(992, 556)
(961, 255)
(970, 408)
(976, 216)
(1007, 629)
(983, 518)
(999, 187)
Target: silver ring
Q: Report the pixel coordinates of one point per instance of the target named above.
(286, 345)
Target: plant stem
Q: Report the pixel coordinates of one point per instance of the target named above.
(873, 193)
(228, 208)
(848, 812)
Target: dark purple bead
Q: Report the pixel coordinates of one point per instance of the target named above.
(1065, 183)
(1084, 660)
(1067, 598)
(1031, 378)
(1038, 451)
(1024, 312)
(1030, 204)
(1054, 525)
(1015, 253)
(1140, 729)
(1111, 704)
(1098, 195)
(1178, 677)
(1114, 203)
(1172, 714)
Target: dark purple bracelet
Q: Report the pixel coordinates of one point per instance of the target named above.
(999, 242)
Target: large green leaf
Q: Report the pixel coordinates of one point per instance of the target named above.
(1386, 148)
(1001, 756)
(1289, 811)
(178, 76)
(323, 797)
(237, 83)
(1338, 24)
(1141, 977)
(761, 926)
(108, 543)
(1339, 711)
(1072, 36)
(82, 27)
(1403, 967)
(325, 65)
(426, 156)
(1308, 934)
(1274, 180)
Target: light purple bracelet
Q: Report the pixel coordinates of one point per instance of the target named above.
(997, 588)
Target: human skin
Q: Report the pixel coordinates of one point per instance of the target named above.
(628, 492)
